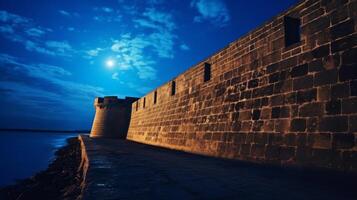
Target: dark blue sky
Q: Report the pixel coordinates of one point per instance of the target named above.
(53, 54)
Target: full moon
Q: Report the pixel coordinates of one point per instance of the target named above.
(110, 63)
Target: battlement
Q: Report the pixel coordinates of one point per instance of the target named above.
(113, 101)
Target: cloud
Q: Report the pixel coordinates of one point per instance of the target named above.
(106, 9)
(6, 29)
(116, 18)
(36, 32)
(160, 18)
(24, 31)
(184, 47)
(68, 14)
(162, 25)
(94, 52)
(130, 55)
(70, 29)
(59, 46)
(65, 13)
(115, 76)
(12, 18)
(214, 11)
(43, 86)
(155, 40)
(34, 46)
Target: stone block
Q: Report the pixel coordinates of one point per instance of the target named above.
(347, 72)
(334, 124)
(272, 152)
(333, 107)
(316, 65)
(341, 90)
(321, 51)
(274, 77)
(256, 114)
(343, 141)
(253, 83)
(352, 124)
(349, 105)
(326, 77)
(349, 57)
(312, 124)
(305, 82)
(353, 86)
(275, 112)
(311, 109)
(342, 29)
(320, 140)
(306, 96)
(324, 93)
(344, 43)
(300, 70)
(298, 125)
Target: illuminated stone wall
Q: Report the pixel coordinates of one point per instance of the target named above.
(271, 98)
(112, 117)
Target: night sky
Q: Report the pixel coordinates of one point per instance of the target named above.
(55, 55)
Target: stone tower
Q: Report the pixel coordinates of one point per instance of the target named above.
(112, 117)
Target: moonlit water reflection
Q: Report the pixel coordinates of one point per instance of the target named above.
(23, 154)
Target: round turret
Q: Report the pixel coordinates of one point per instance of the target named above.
(112, 117)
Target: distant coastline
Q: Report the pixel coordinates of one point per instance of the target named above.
(42, 130)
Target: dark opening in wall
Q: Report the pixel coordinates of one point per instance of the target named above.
(173, 88)
(292, 30)
(207, 72)
(137, 105)
(155, 97)
(100, 100)
(144, 102)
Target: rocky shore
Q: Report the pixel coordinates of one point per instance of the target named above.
(61, 180)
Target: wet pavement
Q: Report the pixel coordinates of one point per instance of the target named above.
(121, 169)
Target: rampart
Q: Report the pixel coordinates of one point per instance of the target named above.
(285, 93)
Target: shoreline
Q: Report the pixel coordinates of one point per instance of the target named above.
(61, 180)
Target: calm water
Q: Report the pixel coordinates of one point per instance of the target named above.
(23, 154)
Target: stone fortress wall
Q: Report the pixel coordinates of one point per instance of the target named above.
(285, 93)
(112, 116)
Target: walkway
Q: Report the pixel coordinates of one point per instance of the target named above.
(121, 169)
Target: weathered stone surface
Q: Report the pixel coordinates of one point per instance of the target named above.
(307, 88)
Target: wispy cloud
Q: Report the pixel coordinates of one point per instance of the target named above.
(184, 47)
(42, 86)
(156, 20)
(115, 76)
(214, 11)
(68, 14)
(162, 26)
(6, 29)
(24, 31)
(36, 32)
(59, 46)
(106, 14)
(104, 9)
(65, 13)
(12, 18)
(130, 54)
(94, 52)
(139, 51)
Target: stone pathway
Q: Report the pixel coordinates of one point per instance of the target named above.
(121, 169)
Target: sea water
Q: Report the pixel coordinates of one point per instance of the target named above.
(23, 154)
